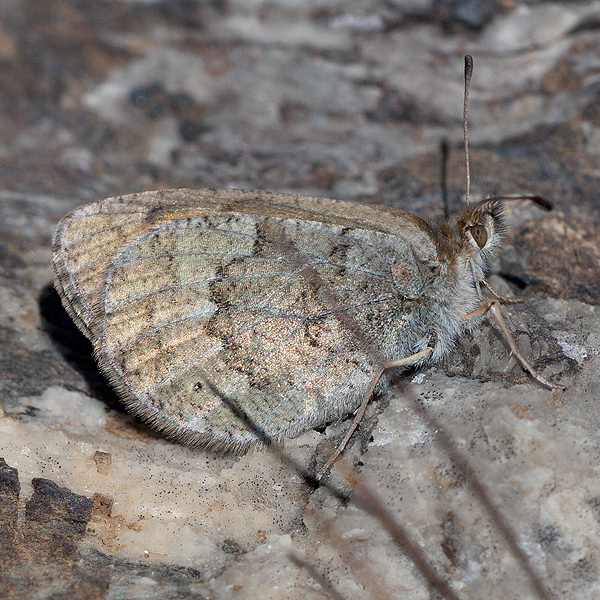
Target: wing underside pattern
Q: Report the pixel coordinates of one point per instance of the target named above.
(246, 309)
(197, 298)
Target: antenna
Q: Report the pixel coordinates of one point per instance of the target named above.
(444, 147)
(468, 73)
(537, 200)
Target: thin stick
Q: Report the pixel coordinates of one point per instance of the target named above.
(369, 501)
(468, 73)
(482, 494)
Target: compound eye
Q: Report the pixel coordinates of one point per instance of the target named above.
(479, 235)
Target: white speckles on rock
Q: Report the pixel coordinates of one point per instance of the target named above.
(531, 26)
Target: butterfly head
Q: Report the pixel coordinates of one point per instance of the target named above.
(480, 229)
(477, 233)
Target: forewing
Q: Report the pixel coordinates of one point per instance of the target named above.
(85, 243)
(88, 240)
(209, 317)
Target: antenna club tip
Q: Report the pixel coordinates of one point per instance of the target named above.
(542, 202)
(468, 66)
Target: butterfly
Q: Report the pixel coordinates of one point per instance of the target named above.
(227, 317)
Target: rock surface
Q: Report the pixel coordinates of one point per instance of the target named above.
(338, 99)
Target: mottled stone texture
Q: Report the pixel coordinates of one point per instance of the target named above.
(340, 99)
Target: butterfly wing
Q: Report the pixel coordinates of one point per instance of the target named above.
(221, 328)
(87, 240)
(211, 323)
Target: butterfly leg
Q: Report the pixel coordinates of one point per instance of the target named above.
(493, 308)
(499, 296)
(405, 363)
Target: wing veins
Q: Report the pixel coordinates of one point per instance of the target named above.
(305, 320)
(239, 307)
